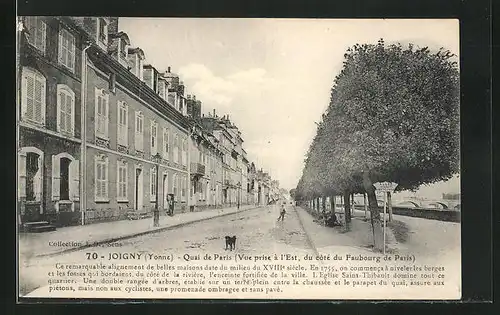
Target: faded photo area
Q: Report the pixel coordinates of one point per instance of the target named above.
(193, 158)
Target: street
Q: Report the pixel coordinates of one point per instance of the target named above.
(257, 232)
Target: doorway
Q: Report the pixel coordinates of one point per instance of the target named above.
(165, 191)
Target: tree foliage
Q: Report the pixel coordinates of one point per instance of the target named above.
(393, 116)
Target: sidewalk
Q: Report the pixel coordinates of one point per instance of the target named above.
(327, 240)
(72, 238)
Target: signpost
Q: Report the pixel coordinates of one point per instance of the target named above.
(385, 187)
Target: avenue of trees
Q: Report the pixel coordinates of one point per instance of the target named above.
(393, 116)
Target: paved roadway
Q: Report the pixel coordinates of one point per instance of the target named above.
(257, 232)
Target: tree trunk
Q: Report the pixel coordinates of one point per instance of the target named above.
(332, 203)
(352, 205)
(378, 237)
(389, 204)
(323, 199)
(347, 207)
(318, 204)
(365, 205)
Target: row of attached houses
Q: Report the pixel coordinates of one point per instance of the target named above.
(102, 134)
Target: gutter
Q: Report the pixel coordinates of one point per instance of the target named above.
(83, 134)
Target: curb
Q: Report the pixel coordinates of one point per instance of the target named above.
(308, 238)
(124, 237)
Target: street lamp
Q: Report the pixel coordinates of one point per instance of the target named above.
(156, 213)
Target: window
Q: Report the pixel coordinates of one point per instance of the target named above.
(154, 138)
(161, 88)
(184, 186)
(101, 113)
(64, 182)
(153, 183)
(140, 67)
(37, 30)
(33, 96)
(112, 82)
(103, 31)
(181, 105)
(30, 174)
(65, 109)
(184, 152)
(101, 178)
(200, 190)
(139, 130)
(65, 178)
(175, 185)
(67, 49)
(123, 48)
(122, 123)
(122, 181)
(176, 149)
(166, 139)
(171, 99)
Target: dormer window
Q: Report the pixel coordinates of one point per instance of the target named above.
(102, 32)
(136, 61)
(140, 67)
(123, 49)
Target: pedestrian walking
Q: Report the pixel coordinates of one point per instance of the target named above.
(170, 201)
(282, 213)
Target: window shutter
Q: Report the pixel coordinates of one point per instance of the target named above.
(21, 185)
(60, 48)
(96, 112)
(106, 178)
(70, 121)
(106, 112)
(74, 175)
(71, 51)
(37, 181)
(56, 177)
(29, 93)
(126, 124)
(97, 178)
(61, 125)
(42, 100)
(119, 122)
(43, 32)
(118, 178)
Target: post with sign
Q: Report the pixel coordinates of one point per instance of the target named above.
(385, 187)
(365, 205)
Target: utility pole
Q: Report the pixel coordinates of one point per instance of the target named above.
(83, 128)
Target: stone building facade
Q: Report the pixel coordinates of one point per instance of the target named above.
(103, 135)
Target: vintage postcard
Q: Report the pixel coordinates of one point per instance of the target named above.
(197, 158)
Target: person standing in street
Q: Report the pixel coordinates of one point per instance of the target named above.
(170, 204)
(282, 213)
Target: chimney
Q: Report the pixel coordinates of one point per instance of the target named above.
(113, 25)
(194, 97)
(168, 69)
(189, 96)
(214, 112)
(227, 116)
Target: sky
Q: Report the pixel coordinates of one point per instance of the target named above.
(271, 76)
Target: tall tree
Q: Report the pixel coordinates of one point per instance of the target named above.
(393, 116)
